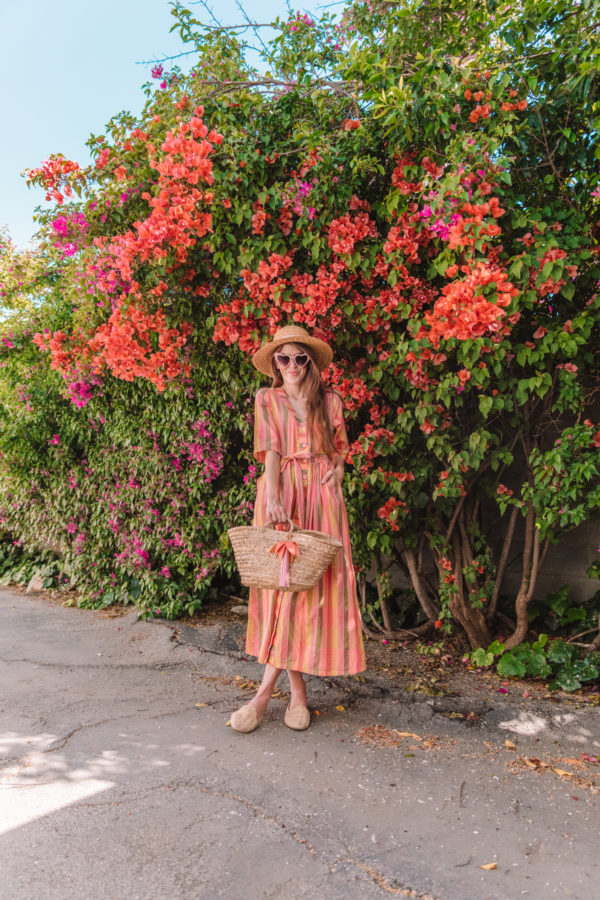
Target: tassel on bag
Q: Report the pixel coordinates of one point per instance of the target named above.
(285, 550)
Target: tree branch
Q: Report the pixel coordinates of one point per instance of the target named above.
(508, 539)
(427, 604)
(530, 554)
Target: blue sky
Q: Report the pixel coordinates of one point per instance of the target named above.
(68, 67)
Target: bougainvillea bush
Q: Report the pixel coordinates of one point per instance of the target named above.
(416, 183)
(132, 490)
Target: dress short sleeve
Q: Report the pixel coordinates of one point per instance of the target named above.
(340, 438)
(266, 433)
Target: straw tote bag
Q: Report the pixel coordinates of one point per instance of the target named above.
(274, 560)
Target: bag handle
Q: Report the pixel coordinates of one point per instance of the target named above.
(292, 527)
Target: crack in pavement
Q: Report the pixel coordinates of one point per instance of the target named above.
(389, 886)
(108, 665)
(61, 742)
(65, 740)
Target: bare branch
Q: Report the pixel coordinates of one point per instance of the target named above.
(595, 645)
(209, 10)
(271, 84)
(572, 640)
(508, 539)
(165, 58)
(427, 603)
(251, 25)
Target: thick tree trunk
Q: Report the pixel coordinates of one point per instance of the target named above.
(472, 620)
(531, 563)
(430, 608)
(383, 605)
(386, 631)
(508, 539)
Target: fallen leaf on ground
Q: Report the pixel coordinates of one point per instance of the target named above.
(340, 708)
(201, 704)
(572, 761)
(489, 866)
(539, 766)
(379, 735)
(534, 763)
(510, 745)
(408, 734)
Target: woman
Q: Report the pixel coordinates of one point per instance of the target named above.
(300, 437)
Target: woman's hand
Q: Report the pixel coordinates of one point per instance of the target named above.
(276, 512)
(336, 472)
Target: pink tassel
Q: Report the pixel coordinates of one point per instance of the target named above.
(284, 571)
(285, 549)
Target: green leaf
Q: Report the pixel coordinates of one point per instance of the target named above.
(573, 614)
(584, 670)
(536, 665)
(540, 643)
(485, 405)
(559, 653)
(515, 268)
(567, 680)
(510, 666)
(559, 601)
(481, 657)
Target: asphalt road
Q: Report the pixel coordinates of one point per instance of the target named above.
(119, 780)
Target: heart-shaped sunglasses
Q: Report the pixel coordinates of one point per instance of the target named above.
(283, 360)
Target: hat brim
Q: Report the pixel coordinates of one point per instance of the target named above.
(263, 358)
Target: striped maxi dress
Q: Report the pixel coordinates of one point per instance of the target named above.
(319, 631)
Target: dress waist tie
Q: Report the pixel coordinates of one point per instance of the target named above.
(299, 462)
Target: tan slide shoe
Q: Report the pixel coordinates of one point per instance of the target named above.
(297, 718)
(245, 719)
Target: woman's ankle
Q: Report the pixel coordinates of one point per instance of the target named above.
(298, 698)
(261, 699)
(297, 689)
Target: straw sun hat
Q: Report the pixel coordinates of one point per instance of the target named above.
(291, 334)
